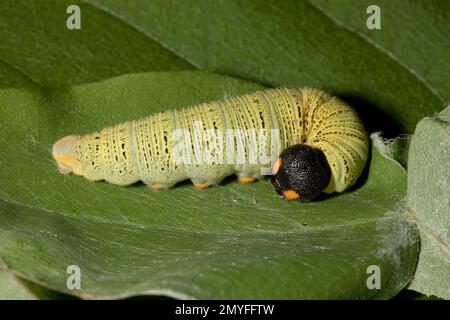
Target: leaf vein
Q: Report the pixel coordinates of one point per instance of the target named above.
(383, 50)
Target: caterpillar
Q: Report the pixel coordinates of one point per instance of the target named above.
(323, 142)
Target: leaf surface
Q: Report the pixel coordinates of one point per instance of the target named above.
(429, 202)
(229, 241)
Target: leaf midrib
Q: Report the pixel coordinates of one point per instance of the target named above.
(19, 70)
(429, 233)
(116, 16)
(334, 20)
(379, 48)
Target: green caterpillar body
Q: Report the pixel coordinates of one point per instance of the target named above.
(144, 149)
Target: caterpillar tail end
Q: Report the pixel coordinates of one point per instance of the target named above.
(64, 154)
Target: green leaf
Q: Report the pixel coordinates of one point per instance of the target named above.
(396, 148)
(429, 202)
(36, 43)
(287, 43)
(12, 289)
(229, 241)
(413, 33)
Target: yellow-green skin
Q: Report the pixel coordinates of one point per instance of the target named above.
(142, 149)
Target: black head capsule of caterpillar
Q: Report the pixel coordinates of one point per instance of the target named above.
(301, 173)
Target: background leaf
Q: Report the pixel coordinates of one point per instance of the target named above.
(231, 241)
(35, 42)
(414, 33)
(429, 202)
(393, 77)
(12, 289)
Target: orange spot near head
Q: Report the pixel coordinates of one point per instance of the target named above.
(291, 195)
(276, 166)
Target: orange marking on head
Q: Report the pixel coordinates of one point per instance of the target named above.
(64, 152)
(201, 186)
(64, 158)
(66, 164)
(246, 179)
(291, 195)
(276, 166)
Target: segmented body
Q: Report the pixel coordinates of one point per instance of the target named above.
(143, 149)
